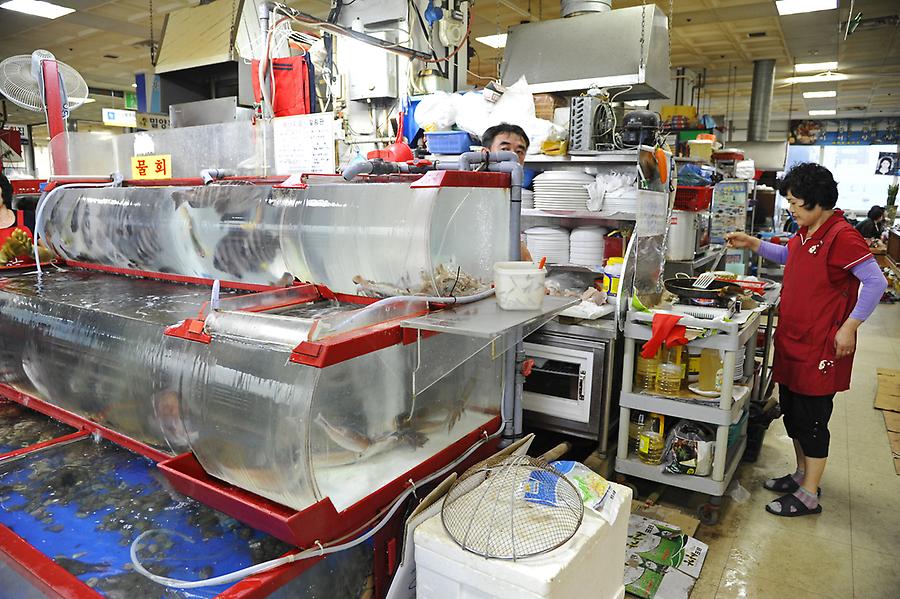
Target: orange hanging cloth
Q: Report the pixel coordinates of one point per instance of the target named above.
(665, 330)
(290, 85)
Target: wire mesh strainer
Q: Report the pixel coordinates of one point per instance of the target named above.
(511, 508)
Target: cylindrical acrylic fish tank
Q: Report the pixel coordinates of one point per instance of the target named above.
(378, 239)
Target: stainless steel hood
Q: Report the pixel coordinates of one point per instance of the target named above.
(600, 49)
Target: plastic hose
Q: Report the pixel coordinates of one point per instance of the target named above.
(38, 217)
(307, 553)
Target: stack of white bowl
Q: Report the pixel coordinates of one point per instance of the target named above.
(561, 190)
(586, 246)
(549, 242)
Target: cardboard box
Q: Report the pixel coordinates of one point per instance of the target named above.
(546, 104)
(669, 110)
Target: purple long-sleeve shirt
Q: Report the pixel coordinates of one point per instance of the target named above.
(869, 274)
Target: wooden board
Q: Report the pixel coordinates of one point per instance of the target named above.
(887, 397)
(891, 421)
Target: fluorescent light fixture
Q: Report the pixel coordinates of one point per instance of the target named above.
(640, 103)
(494, 41)
(820, 78)
(134, 85)
(812, 67)
(827, 94)
(37, 8)
(830, 112)
(794, 7)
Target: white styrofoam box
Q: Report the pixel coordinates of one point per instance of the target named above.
(590, 564)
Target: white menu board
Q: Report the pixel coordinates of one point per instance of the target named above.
(304, 143)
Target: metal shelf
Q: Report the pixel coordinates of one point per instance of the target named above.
(700, 484)
(622, 156)
(698, 261)
(696, 411)
(579, 214)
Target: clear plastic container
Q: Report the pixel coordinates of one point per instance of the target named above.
(646, 373)
(671, 372)
(693, 366)
(710, 370)
(519, 285)
(635, 428)
(652, 440)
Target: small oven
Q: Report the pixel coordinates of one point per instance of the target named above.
(570, 386)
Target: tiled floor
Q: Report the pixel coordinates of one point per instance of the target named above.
(849, 550)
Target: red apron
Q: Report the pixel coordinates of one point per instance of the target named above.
(814, 305)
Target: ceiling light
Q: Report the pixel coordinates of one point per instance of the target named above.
(83, 100)
(793, 7)
(830, 112)
(494, 41)
(811, 67)
(134, 85)
(37, 8)
(826, 94)
(820, 78)
(640, 103)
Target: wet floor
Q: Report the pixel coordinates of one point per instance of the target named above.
(849, 550)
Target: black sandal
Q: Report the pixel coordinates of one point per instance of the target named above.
(792, 507)
(786, 484)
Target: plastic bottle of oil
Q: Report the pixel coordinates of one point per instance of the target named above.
(652, 440)
(710, 370)
(646, 372)
(635, 428)
(671, 372)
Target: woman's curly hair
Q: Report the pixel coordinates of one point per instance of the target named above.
(812, 183)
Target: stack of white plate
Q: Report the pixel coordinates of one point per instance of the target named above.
(561, 190)
(552, 242)
(739, 364)
(586, 246)
(527, 199)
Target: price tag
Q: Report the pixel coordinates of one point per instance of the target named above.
(151, 167)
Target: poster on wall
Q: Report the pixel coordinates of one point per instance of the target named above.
(888, 164)
(845, 132)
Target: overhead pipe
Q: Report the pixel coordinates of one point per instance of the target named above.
(761, 99)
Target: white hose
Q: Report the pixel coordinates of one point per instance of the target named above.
(307, 553)
(38, 217)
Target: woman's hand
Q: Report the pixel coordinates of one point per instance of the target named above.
(742, 240)
(845, 338)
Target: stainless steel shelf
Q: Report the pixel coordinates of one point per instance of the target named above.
(579, 214)
(699, 412)
(701, 484)
(629, 156)
(697, 263)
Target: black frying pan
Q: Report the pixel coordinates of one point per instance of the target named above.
(717, 289)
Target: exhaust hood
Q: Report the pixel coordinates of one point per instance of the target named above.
(595, 49)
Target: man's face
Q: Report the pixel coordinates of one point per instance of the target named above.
(510, 142)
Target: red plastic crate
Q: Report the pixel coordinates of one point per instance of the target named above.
(693, 199)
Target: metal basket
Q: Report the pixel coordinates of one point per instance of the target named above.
(511, 508)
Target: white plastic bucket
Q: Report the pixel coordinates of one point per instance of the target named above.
(519, 285)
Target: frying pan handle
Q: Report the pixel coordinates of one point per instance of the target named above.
(682, 275)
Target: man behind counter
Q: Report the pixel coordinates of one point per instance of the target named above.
(512, 138)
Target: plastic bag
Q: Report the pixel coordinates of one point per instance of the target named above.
(437, 112)
(689, 449)
(596, 492)
(607, 184)
(473, 113)
(566, 283)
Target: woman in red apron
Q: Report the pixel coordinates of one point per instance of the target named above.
(10, 221)
(832, 283)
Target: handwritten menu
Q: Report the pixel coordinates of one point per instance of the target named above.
(304, 143)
